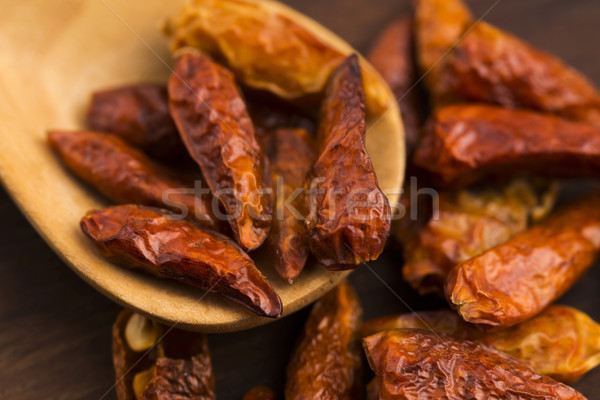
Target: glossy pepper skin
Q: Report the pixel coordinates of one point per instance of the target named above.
(124, 175)
(213, 121)
(392, 55)
(159, 243)
(561, 342)
(516, 280)
(138, 114)
(490, 65)
(416, 364)
(266, 50)
(462, 144)
(349, 216)
(326, 362)
(291, 157)
(469, 222)
(178, 365)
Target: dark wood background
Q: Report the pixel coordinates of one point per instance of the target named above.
(55, 330)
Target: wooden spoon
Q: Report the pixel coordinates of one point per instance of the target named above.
(55, 54)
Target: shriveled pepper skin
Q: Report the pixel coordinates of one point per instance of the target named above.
(516, 280)
(178, 365)
(326, 362)
(392, 55)
(349, 216)
(560, 342)
(291, 157)
(464, 143)
(159, 243)
(217, 131)
(183, 368)
(260, 393)
(469, 222)
(179, 379)
(138, 114)
(490, 65)
(416, 364)
(124, 175)
(266, 50)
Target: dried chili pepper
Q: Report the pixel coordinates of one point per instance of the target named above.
(175, 364)
(293, 154)
(266, 50)
(171, 377)
(516, 280)
(492, 66)
(326, 362)
(439, 25)
(469, 222)
(159, 243)
(125, 175)
(404, 228)
(260, 393)
(183, 369)
(392, 55)
(414, 209)
(218, 133)
(127, 361)
(442, 321)
(349, 218)
(560, 342)
(138, 114)
(415, 364)
(464, 143)
(269, 114)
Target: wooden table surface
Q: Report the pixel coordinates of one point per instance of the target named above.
(55, 330)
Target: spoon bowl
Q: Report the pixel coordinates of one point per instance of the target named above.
(56, 53)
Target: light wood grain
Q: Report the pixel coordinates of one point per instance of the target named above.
(55, 53)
